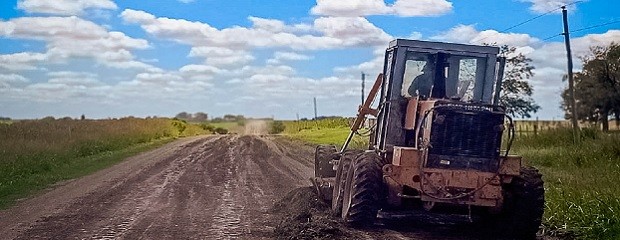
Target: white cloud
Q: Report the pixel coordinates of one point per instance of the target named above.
(21, 61)
(470, 35)
(70, 37)
(350, 8)
(221, 56)
(64, 7)
(331, 32)
(411, 8)
(187, 1)
(279, 57)
(74, 79)
(271, 25)
(544, 6)
(352, 31)
(9, 80)
(405, 8)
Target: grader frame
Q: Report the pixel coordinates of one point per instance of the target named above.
(437, 143)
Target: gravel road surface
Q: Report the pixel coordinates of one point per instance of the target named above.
(215, 187)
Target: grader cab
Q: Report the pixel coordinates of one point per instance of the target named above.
(436, 145)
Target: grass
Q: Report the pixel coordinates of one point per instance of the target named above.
(332, 131)
(37, 153)
(582, 181)
(331, 136)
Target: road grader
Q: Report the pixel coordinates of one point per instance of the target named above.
(440, 144)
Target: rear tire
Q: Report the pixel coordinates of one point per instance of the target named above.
(322, 157)
(364, 193)
(524, 204)
(341, 176)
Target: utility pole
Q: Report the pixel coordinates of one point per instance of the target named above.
(315, 116)
(571, 84)
(363, 83)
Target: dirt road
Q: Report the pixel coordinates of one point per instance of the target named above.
(218, 187)
(210, 187)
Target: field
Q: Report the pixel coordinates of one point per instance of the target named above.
(38, 153)
(580, 179)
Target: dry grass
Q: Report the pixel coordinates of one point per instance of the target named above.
(37, 153)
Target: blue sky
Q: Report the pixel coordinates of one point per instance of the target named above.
(106, 58)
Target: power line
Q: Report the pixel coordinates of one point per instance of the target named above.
(582, 29)
(550, 37)
(529, 20)
(595, 26)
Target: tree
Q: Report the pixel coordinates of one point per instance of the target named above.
(516, 93)
(597, 86)
(183, 115)
(200, 117)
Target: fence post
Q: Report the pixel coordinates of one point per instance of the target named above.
(536, 127)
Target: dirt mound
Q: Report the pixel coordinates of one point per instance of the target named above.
(304, 216)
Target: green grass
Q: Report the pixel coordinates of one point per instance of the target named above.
(582, 181)
(33, 176)
(332, 131)
(332, 136)
(37, 153)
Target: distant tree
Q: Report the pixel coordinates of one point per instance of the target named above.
(83, 117)
(183, 115)
(516, 94)
(200, 117)
(597, 86)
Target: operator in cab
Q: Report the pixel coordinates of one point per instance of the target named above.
(423, 83)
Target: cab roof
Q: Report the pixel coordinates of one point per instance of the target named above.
(443, 46)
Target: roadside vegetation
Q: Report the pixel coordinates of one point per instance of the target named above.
(581, 180)
(333, 131)
(37, 153)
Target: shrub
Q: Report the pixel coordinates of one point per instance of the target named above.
(277, 127)
(220, 130)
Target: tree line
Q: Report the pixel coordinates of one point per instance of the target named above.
(597, 87)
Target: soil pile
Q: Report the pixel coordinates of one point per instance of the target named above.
(304, 216)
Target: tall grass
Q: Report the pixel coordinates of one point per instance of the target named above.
(582, 181)
(36, 153)
(327, 123)
(332, 131)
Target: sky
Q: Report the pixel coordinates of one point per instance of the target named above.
(106, 58)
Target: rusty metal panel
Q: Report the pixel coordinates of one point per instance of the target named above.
(406, 157)
(510, 165)
(412, 111)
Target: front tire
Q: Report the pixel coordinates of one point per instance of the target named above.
(524, 204)
(341, 176)
(364, 192)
